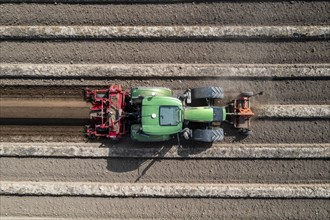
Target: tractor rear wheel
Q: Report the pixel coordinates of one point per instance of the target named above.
(247, 94)
(207, 92)
(208, 135)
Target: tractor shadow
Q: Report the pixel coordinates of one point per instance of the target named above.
(191, 148)
(125, 156)
(233, 134)
(143, 160)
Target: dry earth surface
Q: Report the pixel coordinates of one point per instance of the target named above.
(37, 123)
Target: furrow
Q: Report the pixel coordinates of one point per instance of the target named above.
(139, 52)
(166, 170)
(44, 109)
(294, 111)
(164, 32)
(311, 91)
(190, 190)
(166, 13)
(216, 151)
(164, 70)
(175, 208)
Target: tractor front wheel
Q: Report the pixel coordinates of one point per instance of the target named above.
(208, 135)
(207, 93)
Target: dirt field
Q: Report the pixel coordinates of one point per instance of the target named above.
(37, 123)
(165, 52)
(200, 13)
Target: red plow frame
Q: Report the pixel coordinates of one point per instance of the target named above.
(107, 114)
(240, 113)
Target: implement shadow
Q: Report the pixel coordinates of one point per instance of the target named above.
(128, 155)
(232, 133)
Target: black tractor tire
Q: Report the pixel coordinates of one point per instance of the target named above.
(186, 133)
(207, 92)
(246, 94)
(208, 135)
(246, 132)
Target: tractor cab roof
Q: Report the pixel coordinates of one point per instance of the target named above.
(161, 115)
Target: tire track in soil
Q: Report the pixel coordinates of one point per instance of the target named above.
(264, 131)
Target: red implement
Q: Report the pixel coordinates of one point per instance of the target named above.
(107, 112)
(240, 113)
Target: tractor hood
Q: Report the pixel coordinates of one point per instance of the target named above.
(161, 115)
(205, 114)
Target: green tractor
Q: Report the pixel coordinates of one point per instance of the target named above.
(152, 114)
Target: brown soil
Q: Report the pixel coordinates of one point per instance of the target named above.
(169, 171)
(295, 91)
(165, 52)
(39, 133)
(138, 208)
(216, 13)
(292, 91)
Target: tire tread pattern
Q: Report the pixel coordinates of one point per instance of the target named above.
(217, 135)
(207, 92)
(217, 92)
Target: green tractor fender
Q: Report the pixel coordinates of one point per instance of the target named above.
(138, 92)
(138, 135)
